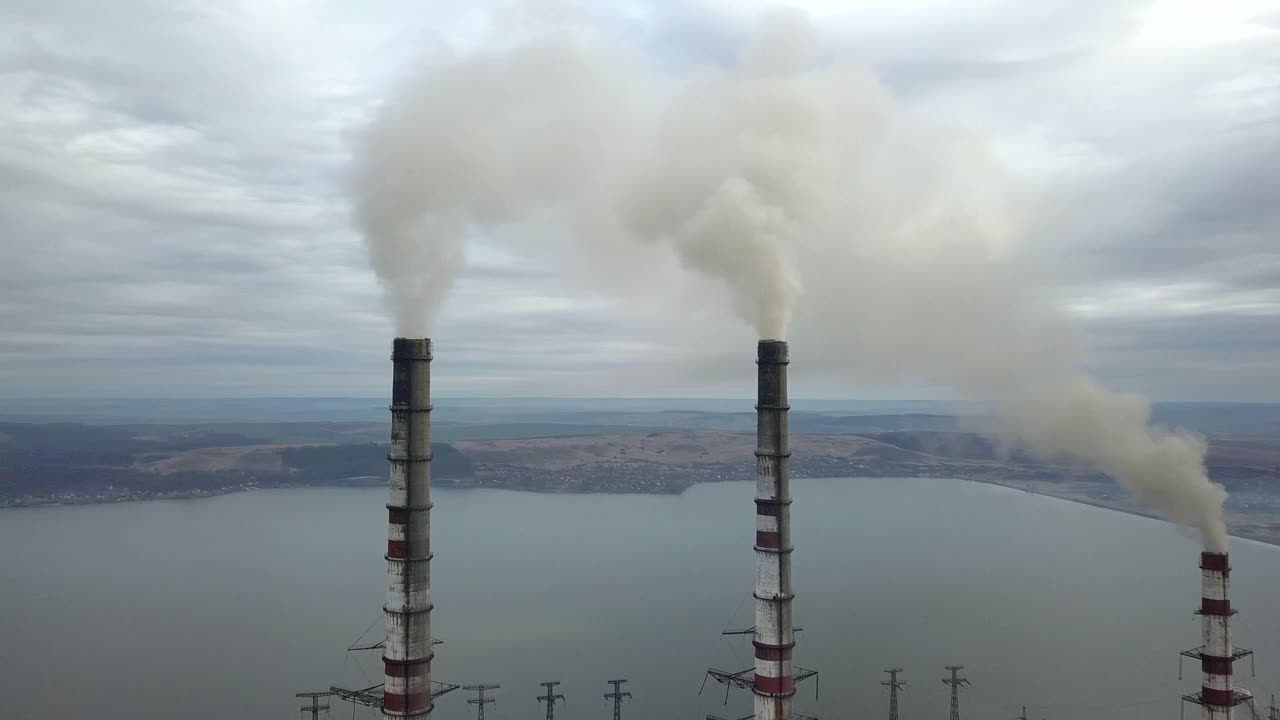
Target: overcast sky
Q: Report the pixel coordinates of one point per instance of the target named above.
(174, 223)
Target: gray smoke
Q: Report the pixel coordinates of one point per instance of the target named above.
(887, 250)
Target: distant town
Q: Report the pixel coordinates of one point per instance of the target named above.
(650, 452)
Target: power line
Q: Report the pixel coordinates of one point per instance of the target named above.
(1094, 707)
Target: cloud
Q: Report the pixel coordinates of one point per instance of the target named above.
(174, 219)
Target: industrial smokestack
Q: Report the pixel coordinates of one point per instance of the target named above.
(407, 653)
(774, 683)
(1218, 695)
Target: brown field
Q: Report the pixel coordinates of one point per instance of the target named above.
(674, 448)
(249, 459)
(1264, 453)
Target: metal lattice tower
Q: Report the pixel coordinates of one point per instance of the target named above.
(1273, 712)
(956, 682)
(550, 698)
(315, 707)
(480, 700)
(617, 697)
(894, 685)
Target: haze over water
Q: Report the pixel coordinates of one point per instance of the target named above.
(224, 608)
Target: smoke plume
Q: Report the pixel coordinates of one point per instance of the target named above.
(471, 147)
(885, 249)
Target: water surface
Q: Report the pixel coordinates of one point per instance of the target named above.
(224, 608)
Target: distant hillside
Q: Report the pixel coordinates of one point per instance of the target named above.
(1235, 463)
(71, 461)
(74, 443)
(648, 452)
(1255, 420)
(324, 464)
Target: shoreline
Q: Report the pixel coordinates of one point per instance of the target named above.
(457, 484)
(1148, 514)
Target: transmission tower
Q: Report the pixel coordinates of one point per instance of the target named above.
(956, 682)
(1273, 712)
(480, 700)
(550, 698)
(617, 697)
(315, 707)
(1023, 716)
(894, 685)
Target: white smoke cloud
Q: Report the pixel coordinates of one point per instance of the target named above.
(884, 249)
(471, 146)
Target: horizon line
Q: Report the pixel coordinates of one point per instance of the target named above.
(381, 398)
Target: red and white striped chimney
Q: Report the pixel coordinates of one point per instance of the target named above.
(407, 653)
(1218, 694)
(774, 683)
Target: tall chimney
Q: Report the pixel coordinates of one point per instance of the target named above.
(1218, 695)
(407, 653)
(774, 683)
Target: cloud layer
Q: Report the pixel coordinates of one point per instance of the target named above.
(174, 221)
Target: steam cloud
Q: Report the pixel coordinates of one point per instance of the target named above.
(886, 249)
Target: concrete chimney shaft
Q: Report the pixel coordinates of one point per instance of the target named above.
(1217, 694)
(774, 683)
(407, 654)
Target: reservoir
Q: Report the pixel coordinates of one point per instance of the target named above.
(223, 608)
